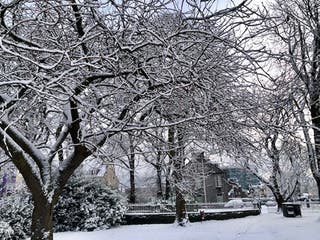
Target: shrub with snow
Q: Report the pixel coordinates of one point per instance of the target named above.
(15, 212)
(6, 232)
(87, 204)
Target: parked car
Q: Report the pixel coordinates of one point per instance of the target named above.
(234, 203)
(271, 203)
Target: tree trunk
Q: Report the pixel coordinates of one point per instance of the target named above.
(181, 213)
(315, 163)
(318, 185)
(277, 195)
(132, 196)
(312, 150)
(314, 86)
(168, 189)
(279, 201)
(42, 221)
(172, 156)
(159, 176)
(178, 163)
(159, 182)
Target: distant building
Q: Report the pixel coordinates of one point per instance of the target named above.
(243, 177)
(211, 183)
(235, 190)
(144, 194)
(111, 177)
(108, 173)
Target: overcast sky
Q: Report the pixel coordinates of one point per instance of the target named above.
(231, 3)
(227, 3)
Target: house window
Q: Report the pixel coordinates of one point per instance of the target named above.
(219, 191)
(219, 195)
(218, 180)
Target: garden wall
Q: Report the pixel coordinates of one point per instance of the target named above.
(161, 218)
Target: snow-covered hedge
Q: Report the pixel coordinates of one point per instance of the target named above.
(6, 231)
(86, 204)
(15, 216)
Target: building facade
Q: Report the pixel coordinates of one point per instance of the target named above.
(243, 177)
(211, 184)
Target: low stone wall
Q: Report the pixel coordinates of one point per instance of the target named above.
(223, 215)
(148, 218)
(163, 218)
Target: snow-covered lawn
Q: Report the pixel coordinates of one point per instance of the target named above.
(267, 226)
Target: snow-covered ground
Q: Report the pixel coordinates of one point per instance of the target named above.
(267, 226)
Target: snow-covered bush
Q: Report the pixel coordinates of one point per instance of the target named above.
(6, 231)
(16, 211)
(87, 204)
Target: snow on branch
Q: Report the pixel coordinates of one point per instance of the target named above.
(21, 161)
(23, 142)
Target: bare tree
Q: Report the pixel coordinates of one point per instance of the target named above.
(155, 153)
(295, 28)
(127, 157)
(74, 74)
(270, 145)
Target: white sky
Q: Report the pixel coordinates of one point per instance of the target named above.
(213, 5)
(227, 3)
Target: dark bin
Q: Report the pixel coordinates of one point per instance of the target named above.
(291, 209)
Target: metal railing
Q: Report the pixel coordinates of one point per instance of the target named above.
(149, 208)
(314, 205)
(167, 208)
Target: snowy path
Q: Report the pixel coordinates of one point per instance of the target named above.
(268, 226)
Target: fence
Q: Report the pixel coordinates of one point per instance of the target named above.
(167, 208)
(314, 205)
(148, 208)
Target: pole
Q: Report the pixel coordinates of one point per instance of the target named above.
(204, 182)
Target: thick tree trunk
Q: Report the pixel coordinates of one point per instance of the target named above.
(132, 195)
(315, 163)
(181, 213)
(274, 187)
(42, 221)
(178, 163)
(279, 201)
(314, 91)
(313, 149)
(318, 185)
